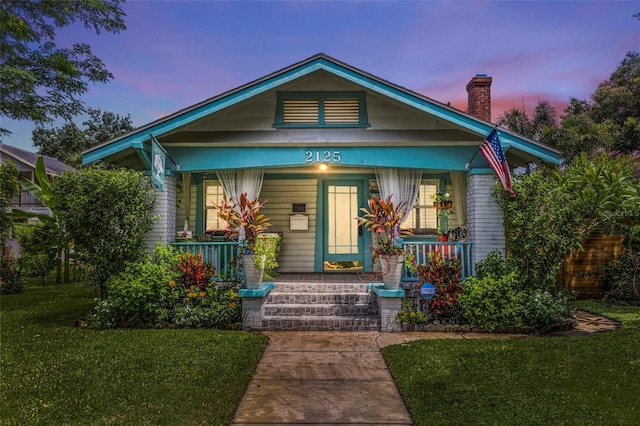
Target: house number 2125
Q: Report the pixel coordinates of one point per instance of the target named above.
(322, 156)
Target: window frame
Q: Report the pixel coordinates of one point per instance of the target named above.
(207, 208)
(321, 97)
(424, 205)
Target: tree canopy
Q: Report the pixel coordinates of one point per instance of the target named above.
(66, 143)
(609, 121)
(40, 81)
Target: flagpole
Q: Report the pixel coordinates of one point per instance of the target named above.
(468, 165)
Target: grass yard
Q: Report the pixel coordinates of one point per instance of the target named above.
(55, 373)
(590, 380)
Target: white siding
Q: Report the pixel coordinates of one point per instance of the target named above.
(298, 247)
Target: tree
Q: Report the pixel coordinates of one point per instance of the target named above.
(67, 142)
(544, 118)
(53, 235)
(40, 81)
(108, 213)
(8, 190)
(616, 104)
(578, 132)
(555, 211)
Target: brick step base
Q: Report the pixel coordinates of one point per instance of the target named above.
(318, 309)
(314, 306)
(321, 323)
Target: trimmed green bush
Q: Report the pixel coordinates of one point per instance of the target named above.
(169, 289)
(10, 279)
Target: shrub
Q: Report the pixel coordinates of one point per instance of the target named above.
(169, 287)
(544, 307)
(410, 314)
(136, 295)
(37, 258)
(107, 213)
(10, 279)
(498, 302)
(445, 274)
(555, 211)
(494, 303)
(621, 277)
(494, 264)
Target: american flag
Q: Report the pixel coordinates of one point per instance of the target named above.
(492, 152)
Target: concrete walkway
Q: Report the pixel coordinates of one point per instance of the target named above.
(341, 378)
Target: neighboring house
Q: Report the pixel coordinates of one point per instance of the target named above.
(25, 161)
(317, 139)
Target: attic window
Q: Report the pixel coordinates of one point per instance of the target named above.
(321, 109)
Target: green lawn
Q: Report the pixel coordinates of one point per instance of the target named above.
(55, 373)
(590, 380)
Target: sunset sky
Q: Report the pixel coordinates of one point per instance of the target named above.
(177, 53)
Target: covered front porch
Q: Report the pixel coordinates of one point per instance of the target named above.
(223, 256)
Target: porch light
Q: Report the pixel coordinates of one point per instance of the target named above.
(324, 167)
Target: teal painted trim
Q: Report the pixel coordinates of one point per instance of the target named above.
(318, 265)
(144, 157)
(378, 289)
(105, 151)
(482, 171)
(199, 206)
(261, 291)
(402, 95)
(200, 159)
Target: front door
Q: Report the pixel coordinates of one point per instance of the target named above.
(343, 239)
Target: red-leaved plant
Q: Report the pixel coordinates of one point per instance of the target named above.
(445, 275)
(194, 271)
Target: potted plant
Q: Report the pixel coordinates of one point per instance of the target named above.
(383, 218)
(442, 200)
(246, 224)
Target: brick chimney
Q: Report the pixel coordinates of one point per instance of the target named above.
(479, 90)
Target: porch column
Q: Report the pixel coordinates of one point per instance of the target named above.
(164, 228)
(485, 222)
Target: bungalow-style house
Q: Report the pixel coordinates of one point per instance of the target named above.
(317, 139)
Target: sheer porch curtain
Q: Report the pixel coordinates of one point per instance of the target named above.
(401, 184)
(459, 186)
(236, 182)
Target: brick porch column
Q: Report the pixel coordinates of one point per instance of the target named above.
(485, 221)
(164, 228)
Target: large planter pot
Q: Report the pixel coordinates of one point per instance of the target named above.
(391, 268)
(252, 275)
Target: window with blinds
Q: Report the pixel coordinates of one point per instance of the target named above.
(321, 109)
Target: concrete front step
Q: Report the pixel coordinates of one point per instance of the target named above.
(321, 323)
(311, 287)
(277, 297)
(319, 306)
(318, 309)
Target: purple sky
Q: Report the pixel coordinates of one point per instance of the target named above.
(177, 53)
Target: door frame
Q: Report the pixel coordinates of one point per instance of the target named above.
(362, 182)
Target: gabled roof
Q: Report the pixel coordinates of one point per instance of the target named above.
(53, 166)
(136, 138)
